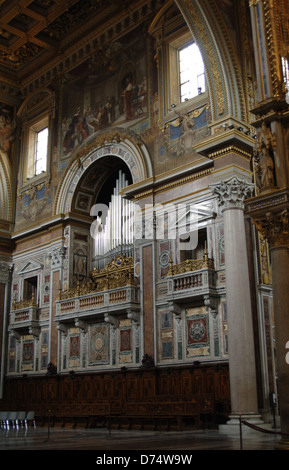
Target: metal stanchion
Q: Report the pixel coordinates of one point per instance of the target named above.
(241, 437)
(48, 428)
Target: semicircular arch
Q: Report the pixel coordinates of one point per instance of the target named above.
(118, 143)
(223, 69)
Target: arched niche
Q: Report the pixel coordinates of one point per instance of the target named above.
(97, 182)
(223, 68)
(115, 145)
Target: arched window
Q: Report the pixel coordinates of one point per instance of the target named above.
(181, 68)
(191, 72)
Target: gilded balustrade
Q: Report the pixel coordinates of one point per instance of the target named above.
(111, 289)
(24, 316)
(24, 303)
(190, 265)
(117, 273)
(191, 278)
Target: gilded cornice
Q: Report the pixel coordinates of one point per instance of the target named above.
(229, 141)
(173, 184)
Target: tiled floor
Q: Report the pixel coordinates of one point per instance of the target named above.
(103, 440)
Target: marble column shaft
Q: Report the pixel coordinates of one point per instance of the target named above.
(231, 195)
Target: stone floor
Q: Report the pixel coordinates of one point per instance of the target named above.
(143, 442)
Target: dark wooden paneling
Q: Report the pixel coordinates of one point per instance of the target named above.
(104, 393)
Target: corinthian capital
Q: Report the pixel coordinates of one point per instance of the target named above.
(231, 194)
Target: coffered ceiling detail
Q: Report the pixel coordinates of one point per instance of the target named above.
(32, 32)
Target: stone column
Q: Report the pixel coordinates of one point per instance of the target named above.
(5, 279)
(274, 225)
(230, 196)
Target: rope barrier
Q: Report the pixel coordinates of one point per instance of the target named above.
(257, 428)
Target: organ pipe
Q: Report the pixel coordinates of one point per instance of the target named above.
(115, 234)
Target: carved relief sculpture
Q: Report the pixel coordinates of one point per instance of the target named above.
(264, 166)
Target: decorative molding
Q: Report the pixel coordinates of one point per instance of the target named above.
(175, 309)
(117, 273)
(212, 303)
(30, 266)
(56, 256)
(118, 143)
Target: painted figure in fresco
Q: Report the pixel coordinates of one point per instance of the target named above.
(130, 104)
(127, 98)
(71, 134)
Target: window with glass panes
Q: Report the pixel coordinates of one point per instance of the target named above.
(41, 151)
(191, 72)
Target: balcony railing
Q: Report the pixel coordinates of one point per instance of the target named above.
(191, 279)
(112, 290)
(24, 317)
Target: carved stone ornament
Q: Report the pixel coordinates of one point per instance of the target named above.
(274, 226)
(264, 165)
(231, 194)
(56, 257)
(5, 269)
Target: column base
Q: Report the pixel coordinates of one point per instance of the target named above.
(283, 444)
(233, 425)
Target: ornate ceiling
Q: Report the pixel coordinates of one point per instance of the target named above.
(33, 32)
